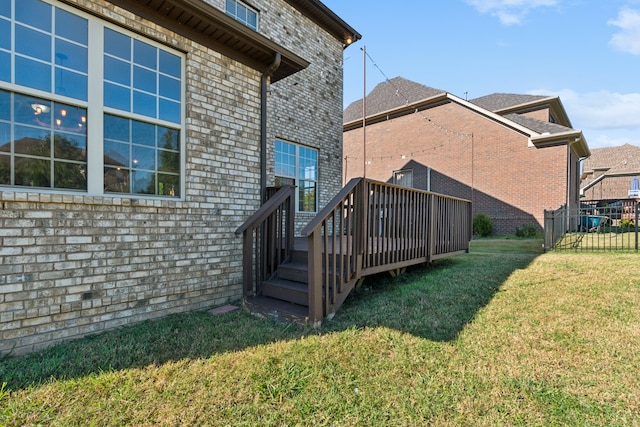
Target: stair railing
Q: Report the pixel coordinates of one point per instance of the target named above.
(336, 244)
(267, 239)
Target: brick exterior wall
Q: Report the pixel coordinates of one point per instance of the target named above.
(73, 264)
(470, 156)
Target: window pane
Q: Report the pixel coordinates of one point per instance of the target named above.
(168, 185)
(116, 154)
(34, 13)
(143, 133)
(71, 176)
(69, 147)
(5, 137)
(169, 139)
(71, 55)
(32, 172)
(33, 43)
(170, 64)
(5, 66)
(252, 20)
(5, 8)
(143, 158)
(32, 141)
(116, 180)
(117, 71)
(5, 105)
(306, 196)
(144, 104)
(230, 6)
(143, 182)
(144, 79)
(117, 44)
(33, 74)
(71, 84)
(71, 26)
(5, 34)
(285, 159)
(5, 170)
(169, 111)
(30, 110)
(116, 128)
(170, 88)
(145, 55)
(117, 97)
(169, 161)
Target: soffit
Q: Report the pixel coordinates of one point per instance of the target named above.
(211, 27)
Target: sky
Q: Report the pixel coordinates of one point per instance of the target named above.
(587, 52)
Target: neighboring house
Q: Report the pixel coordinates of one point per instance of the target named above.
(609, 174)
(136, 136)
(513, 156)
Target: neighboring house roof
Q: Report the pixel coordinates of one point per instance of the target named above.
(399, 96)
(611, 162)
(389, 95)
(503, 101)
(213, 28)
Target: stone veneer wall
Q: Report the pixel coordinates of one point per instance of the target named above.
(73, 264)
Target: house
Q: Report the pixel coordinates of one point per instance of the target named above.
(512, 155)
(609, 174)
(137, 135)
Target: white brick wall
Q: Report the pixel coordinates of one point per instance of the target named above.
(72, 264)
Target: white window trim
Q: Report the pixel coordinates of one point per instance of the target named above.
(296, 179)
(96, 110)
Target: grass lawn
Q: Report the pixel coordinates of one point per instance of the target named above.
(504, 335)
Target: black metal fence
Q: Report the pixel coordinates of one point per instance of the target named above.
(593, 228)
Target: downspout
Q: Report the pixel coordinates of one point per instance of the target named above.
(264, 84)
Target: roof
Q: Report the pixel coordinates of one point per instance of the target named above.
(213, 28)
(389, 95)
(400, 96)
(612, 164)
(498, 102)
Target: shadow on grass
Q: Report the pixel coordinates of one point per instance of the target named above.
(434, 302)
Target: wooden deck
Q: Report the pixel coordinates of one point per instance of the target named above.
(368, 228)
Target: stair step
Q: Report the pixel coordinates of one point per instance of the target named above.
(280, 311)
(294, 271)
(286, 290)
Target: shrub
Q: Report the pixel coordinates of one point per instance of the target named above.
(527, 231)
(482, 225)
(626, 223)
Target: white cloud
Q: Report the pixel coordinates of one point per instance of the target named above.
(628, 39)
(510, 12)
(605, 118)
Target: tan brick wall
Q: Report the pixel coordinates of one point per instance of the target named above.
(471, 157)
(72, 264)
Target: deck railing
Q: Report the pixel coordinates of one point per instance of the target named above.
(267, 239)
(371, 227)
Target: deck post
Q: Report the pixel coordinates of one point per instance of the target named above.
(315, 278)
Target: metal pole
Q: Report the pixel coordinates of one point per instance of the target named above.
(364, 110)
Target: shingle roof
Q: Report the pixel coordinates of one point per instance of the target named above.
(500, 101)
(615, 160)
(536, 125)
(388, 95)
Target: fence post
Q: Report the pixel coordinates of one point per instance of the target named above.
(636, 224)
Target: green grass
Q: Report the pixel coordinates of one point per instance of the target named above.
(504, 335)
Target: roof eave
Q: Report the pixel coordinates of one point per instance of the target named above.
(327, 19)
(573, 138)
(553, 102)
(213, 28)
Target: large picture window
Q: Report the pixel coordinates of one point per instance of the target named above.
(48, 55)
(298, 164)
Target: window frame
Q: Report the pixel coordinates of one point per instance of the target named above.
(296, 178)
(234, 14)
(95, 105)
(402, 173)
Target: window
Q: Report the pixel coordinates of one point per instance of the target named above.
(243, 13)
(403, 178)
(298, 164)
(48, 56)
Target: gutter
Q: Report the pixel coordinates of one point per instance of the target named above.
(264, 83)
